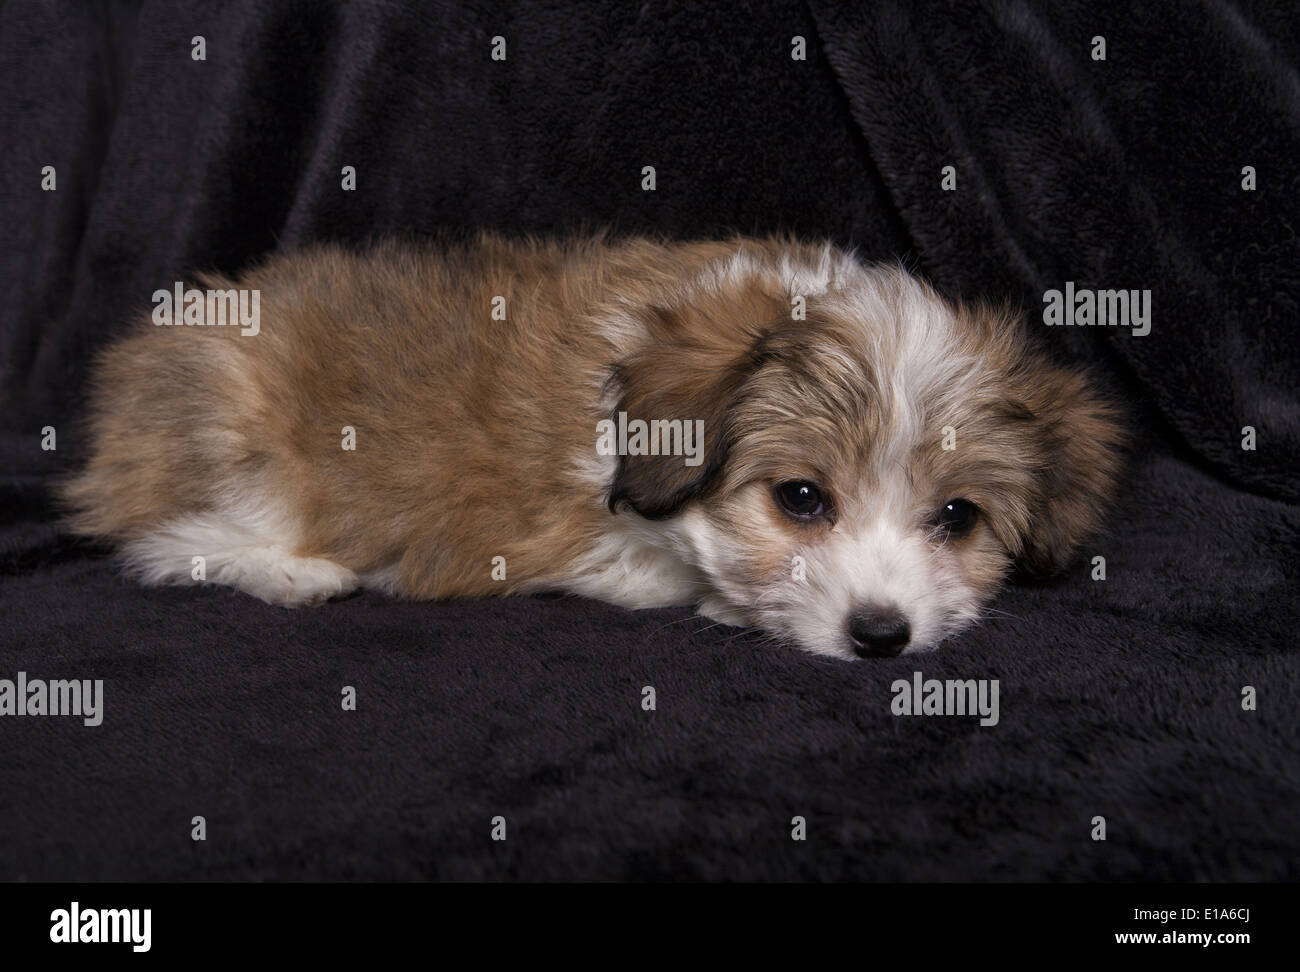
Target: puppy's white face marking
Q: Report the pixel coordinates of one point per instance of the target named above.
(877, 554)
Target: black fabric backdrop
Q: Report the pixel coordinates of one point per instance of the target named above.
(1119, 698)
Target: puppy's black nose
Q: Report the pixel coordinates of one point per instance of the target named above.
(879, 632)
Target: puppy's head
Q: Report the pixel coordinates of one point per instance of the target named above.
(875, 458)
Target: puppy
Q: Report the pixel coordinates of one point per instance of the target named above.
(766, 429)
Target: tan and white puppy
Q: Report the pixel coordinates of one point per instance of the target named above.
(873, 457)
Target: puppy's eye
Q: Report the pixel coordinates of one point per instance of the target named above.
(800, 499)
(957, 516)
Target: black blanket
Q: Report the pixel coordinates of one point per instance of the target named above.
(1121, 698)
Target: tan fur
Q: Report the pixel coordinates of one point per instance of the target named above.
(472, 433)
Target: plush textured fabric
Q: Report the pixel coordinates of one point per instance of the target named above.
(1119, 698)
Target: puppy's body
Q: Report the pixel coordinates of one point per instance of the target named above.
(476, 438)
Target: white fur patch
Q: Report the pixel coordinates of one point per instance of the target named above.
(634, 566)
(247, 547)
(638, 563)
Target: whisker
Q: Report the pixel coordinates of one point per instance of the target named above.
(992, 612)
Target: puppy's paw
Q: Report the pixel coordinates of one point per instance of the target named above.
(233, 553)
(717, 609)
(304, 582)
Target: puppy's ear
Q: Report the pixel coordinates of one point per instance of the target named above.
(691, 369)
(1077, 446)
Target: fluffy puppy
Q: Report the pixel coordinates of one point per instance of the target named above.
(766, 429)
